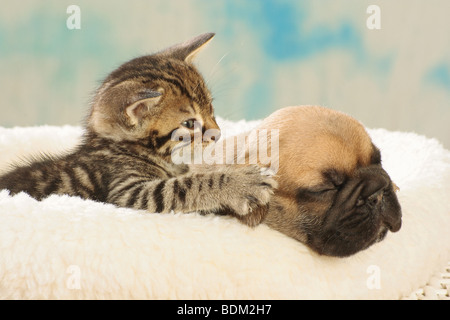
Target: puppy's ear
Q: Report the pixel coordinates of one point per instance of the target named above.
(376, 155)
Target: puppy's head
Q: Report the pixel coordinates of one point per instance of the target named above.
(333, 193)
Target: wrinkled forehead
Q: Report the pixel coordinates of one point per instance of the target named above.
(314, 140)
(305, 158)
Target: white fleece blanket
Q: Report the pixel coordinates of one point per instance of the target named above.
(68, 248)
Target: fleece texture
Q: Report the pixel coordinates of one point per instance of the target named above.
(68, 248)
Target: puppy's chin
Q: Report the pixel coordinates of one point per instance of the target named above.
(343, 244)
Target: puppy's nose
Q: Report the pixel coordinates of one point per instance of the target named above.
(375, 199)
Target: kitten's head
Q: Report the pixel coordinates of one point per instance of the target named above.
(148, 98)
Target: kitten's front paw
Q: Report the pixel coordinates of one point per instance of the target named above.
(254, 188)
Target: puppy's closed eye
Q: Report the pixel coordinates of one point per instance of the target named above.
(333, 181)
(322, 190)
(316, 193)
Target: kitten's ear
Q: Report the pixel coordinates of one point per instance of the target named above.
(141, 104)
(186, 51)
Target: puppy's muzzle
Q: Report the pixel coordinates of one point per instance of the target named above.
(364, 209)
(379, 197)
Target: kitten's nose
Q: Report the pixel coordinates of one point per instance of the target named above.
(211, 131)
(211, 135)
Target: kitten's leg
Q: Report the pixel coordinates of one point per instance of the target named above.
(240, 189)
(258, 213)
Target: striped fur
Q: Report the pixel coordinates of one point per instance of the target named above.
(125, 155)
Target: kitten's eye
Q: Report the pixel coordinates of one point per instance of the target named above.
(188, 123)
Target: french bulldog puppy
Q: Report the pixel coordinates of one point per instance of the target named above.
(333, 194)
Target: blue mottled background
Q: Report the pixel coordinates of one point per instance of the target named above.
(266, 55)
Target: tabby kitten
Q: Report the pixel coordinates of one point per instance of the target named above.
(125, 156)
